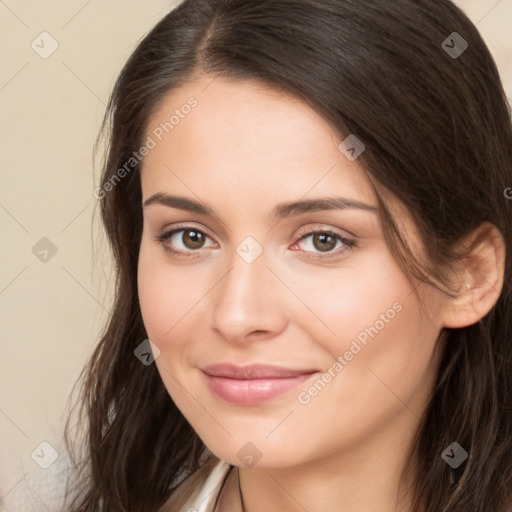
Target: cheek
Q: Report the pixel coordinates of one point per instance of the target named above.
(154, 300)
(167, 294)
(351, 298)
(376, 372)
(372, 320)
(167, 298)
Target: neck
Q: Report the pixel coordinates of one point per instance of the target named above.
(363, 478)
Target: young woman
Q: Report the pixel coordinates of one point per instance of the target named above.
(309, 207)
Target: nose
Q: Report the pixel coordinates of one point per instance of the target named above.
(248, 302)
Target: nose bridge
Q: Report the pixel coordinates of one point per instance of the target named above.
(245, 299)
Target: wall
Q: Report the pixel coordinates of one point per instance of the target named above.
(55, 269)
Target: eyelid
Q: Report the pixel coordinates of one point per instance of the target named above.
(323, 228)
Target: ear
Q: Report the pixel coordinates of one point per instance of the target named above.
(480, 280)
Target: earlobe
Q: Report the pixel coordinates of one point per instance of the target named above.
(482, 279)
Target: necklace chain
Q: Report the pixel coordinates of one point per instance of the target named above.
(240, 491)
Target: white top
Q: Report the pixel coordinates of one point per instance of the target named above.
(43, 489)
(210, 491)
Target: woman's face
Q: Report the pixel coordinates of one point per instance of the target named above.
(263, 276)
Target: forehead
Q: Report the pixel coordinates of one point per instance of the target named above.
(247, 140)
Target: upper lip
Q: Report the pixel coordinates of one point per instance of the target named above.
(253, 371)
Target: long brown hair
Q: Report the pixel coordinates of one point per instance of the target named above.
(438, 136)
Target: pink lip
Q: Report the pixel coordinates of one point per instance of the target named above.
(251, 385)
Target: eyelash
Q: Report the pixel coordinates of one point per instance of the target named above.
(349, 243)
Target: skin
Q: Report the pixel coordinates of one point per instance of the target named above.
(242, 150)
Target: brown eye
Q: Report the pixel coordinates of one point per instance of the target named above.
(192, 239)
(324, 241)
(183, 241)
(324, 244)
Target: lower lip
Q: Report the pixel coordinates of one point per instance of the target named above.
(253, 391)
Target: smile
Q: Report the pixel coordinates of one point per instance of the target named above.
(252, 385)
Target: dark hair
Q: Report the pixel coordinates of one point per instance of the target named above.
(438, 137)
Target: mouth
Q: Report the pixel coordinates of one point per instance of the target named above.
(254, 384)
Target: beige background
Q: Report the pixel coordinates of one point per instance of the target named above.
(52, 312)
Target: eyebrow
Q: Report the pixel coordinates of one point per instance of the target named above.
(280, 211)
